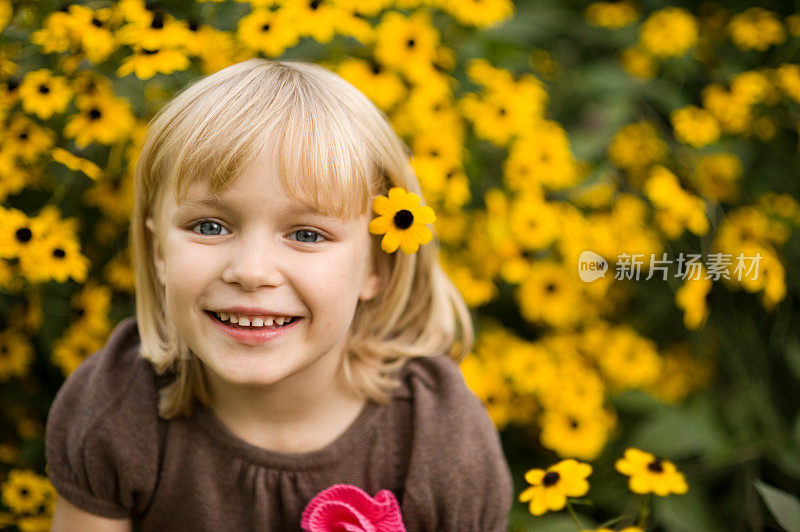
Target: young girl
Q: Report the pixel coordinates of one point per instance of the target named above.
(277, 350)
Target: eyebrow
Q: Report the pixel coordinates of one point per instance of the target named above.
(294, 210)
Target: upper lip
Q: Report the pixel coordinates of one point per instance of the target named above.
(252, 311)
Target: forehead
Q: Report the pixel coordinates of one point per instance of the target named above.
(256, 187)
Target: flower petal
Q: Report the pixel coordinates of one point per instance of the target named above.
(380, 225)
(391, 241)
(424, 215)
(383, 206)
(408, 243)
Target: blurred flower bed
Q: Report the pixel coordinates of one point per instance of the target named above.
(661, 138)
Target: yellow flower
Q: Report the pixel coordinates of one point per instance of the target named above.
(314, 18)
(6, 12)
(92, 30)
(638, 63)
(16, 354)
(490, 387)
(91, 307)
(649, 474)
(44, 94)
(102, 119)
(72, 348)
(550, 296)
(669, 32)
(543, 150)
(692, 298)
(155, 30)
(716, 176)
(695, 126)
(383, 87)
(756, 29)
(637, 146)
(788, 79)
(676, 208)
(550, 488)
(480, 13)
(25, 491)
(268, 32)
(408, 44)
(25, 139)
(147, 62)
(401, 219)
(611, 15)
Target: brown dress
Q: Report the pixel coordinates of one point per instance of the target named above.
(108, 452)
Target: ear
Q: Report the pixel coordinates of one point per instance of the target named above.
(158, 258)
(369, 287)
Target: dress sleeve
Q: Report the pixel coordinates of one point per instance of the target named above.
(101, 436)
(458, 479)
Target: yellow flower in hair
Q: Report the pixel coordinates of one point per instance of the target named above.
(401, 219)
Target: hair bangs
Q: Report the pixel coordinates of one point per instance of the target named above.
(318, 154)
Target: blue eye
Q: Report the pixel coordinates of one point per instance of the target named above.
(211, 225)
(307, 236)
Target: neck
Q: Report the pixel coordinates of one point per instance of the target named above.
(300, 413)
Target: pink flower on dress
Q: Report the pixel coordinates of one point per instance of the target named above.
(347, 508)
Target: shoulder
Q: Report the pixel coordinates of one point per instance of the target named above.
(458, 476)
(102, 429)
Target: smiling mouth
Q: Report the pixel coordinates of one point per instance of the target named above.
(253, 327)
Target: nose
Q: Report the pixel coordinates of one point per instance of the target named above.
(253, 262)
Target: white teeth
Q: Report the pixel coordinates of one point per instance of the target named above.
(257, 321)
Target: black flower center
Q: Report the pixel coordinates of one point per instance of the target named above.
(411, 43)
(145, 51)
(194, 26)
(655, 466)
(376, 68)
(59, 253)
(23, 135)
(551, 478)
(158, 20)
(80, 312)
(12, 84)
(95, 113)
(550, 288)
(265, 27)
(403, 219)
(502, 111)
(24, 492)
(314, 4)
(573, 423)
(97, 23)
(23, 234)
(44, 89)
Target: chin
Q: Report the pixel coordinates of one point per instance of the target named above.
(249, 375)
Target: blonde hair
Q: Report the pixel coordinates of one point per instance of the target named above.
(335, 151)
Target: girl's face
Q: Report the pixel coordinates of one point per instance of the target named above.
(259, 248)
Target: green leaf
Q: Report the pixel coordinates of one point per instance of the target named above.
(784, 506)
(685, 513)
(678, 431)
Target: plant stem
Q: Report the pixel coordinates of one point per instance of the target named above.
(644, 511)
(574, 516)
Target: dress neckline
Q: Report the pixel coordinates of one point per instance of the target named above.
(358, 434)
